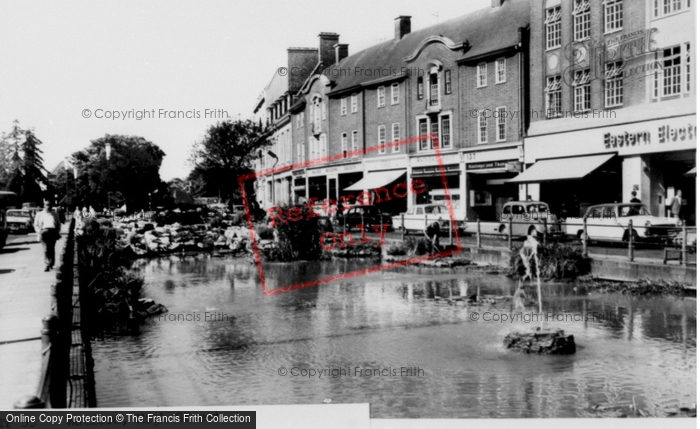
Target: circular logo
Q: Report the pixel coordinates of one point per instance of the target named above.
(553, 61)
(580, 55)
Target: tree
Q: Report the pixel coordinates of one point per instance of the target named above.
(21, 165)
(128, 177)
(226, 152)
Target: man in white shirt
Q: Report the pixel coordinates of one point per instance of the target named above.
(48, 227)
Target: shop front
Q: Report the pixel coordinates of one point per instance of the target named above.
(489, 170)
(654, 159)
(330, 182)
(385, 178)
(443, 178)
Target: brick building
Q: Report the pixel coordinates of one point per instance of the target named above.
(419, 84)
(612, 104)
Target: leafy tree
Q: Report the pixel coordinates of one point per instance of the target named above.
(21, 165)
(127, 177)
(226, 152)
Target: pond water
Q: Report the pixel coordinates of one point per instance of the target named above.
(232, 343)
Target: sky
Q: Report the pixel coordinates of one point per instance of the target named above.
(60, 59)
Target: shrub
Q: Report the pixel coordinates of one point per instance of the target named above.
(557, 262)
(396, 250)
(298, 240)
(265, 232)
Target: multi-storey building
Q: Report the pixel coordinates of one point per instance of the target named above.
(613, 103)
(378, 119)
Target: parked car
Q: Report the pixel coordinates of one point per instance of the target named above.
(528, 216)
(19, 220)
(368, 216)
(418, 217)
(610, 222)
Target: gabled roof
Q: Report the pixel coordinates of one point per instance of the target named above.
(486, 30)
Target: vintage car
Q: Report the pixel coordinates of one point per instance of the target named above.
(528, 216)
(20, 220)
(610, 222)
(418, 217)
(368, 216)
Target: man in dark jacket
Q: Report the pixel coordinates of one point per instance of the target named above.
(48, 226)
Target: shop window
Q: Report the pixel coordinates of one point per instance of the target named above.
(501, 124)
(381, 139)
(613, 15)
(500, 70)
(553, 97)
(482, 128)
(552, 24)
(481, 80)
(381, 96)
(395, 136)
(582, 20)
(582, 90)
(613, 84)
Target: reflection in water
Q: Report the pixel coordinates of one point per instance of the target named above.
(641, 349)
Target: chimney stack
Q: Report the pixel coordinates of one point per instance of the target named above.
(341, 52)
(402, 26)
(326, 53)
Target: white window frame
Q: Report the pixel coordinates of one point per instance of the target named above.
(481, 78)
(614, 85)
(582, 20)
(355, 144)
(448, 81)
(381, 140)
(553, 88)
(442, 118)
(343, 106)
(500, 70)
(612, 16)
(420, 87)
(381, 96)
(394, 93)
(344, 144)
(582, 90)
(482, 128)
(421, 142)
(672, 76)
(434, 89)
(353, 103)
(669, 7)
(395, 136)
(552, 28)
(501, 125)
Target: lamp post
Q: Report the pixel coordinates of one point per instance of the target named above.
(272, 155)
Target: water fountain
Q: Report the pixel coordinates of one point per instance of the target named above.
(541, 340)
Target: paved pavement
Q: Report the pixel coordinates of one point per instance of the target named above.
(25, 298)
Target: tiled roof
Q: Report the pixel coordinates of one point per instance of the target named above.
(485, 30)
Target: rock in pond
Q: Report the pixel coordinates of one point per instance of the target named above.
(553, 342)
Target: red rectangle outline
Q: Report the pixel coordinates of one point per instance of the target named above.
(319, 161)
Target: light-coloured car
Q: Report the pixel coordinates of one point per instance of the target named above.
(610, 222)
(418, 217)
(528, 216)
(19, 220)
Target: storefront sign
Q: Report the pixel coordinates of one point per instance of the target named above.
(433, 160)
(386, 164)
(666, 134)
(487, 165)
(336, 169)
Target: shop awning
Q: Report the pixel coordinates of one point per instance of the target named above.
(693, 171)
(562, 169)
(376, 179)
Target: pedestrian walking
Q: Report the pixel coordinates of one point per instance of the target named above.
(48, 226)
(677, 205)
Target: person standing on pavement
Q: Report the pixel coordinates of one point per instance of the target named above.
(48, 226)
(677, 205)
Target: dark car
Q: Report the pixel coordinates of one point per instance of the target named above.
(368, 216)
